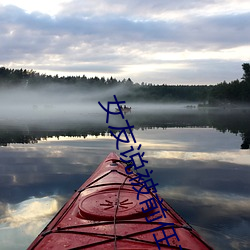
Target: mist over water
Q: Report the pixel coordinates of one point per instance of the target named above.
(45, 103)
(52, 138)
(60, 102)
(59, 107)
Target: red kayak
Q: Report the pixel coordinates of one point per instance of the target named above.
(107, 212)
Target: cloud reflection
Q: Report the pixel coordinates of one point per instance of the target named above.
(200, 175)
(29, 212)
(223, 156)
(225, 215)
(22, 222)
(200, 144)
(228, 203)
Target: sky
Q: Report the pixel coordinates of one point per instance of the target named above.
(153, 41)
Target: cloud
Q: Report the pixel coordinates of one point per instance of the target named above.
(135, 9)
(26, 220)
(115, 38)
(29, 210)
(122, 30)
(228, 203)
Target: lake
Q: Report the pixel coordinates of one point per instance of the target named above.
(200, 158)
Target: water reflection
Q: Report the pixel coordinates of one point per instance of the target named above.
(20, 222)
(23, 131)
(201, 172)
(29, 210)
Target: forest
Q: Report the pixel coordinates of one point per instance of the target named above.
(224, 93)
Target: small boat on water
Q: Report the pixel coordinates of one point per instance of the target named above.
(124, 109)
(107, 213)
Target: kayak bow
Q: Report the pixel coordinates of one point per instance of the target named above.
(105, 213)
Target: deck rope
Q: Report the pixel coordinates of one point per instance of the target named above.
(116, 210)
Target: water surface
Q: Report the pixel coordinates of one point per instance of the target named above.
(196, 155)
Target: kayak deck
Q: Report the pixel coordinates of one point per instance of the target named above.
(106, 212)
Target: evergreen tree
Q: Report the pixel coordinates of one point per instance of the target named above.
(246, 69)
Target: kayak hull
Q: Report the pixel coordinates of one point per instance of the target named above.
(106, 212)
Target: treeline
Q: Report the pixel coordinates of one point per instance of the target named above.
(234, 92)
(237, 91)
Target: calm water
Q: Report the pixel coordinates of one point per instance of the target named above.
(196, 156)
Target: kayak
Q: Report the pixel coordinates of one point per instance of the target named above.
(107, 212)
